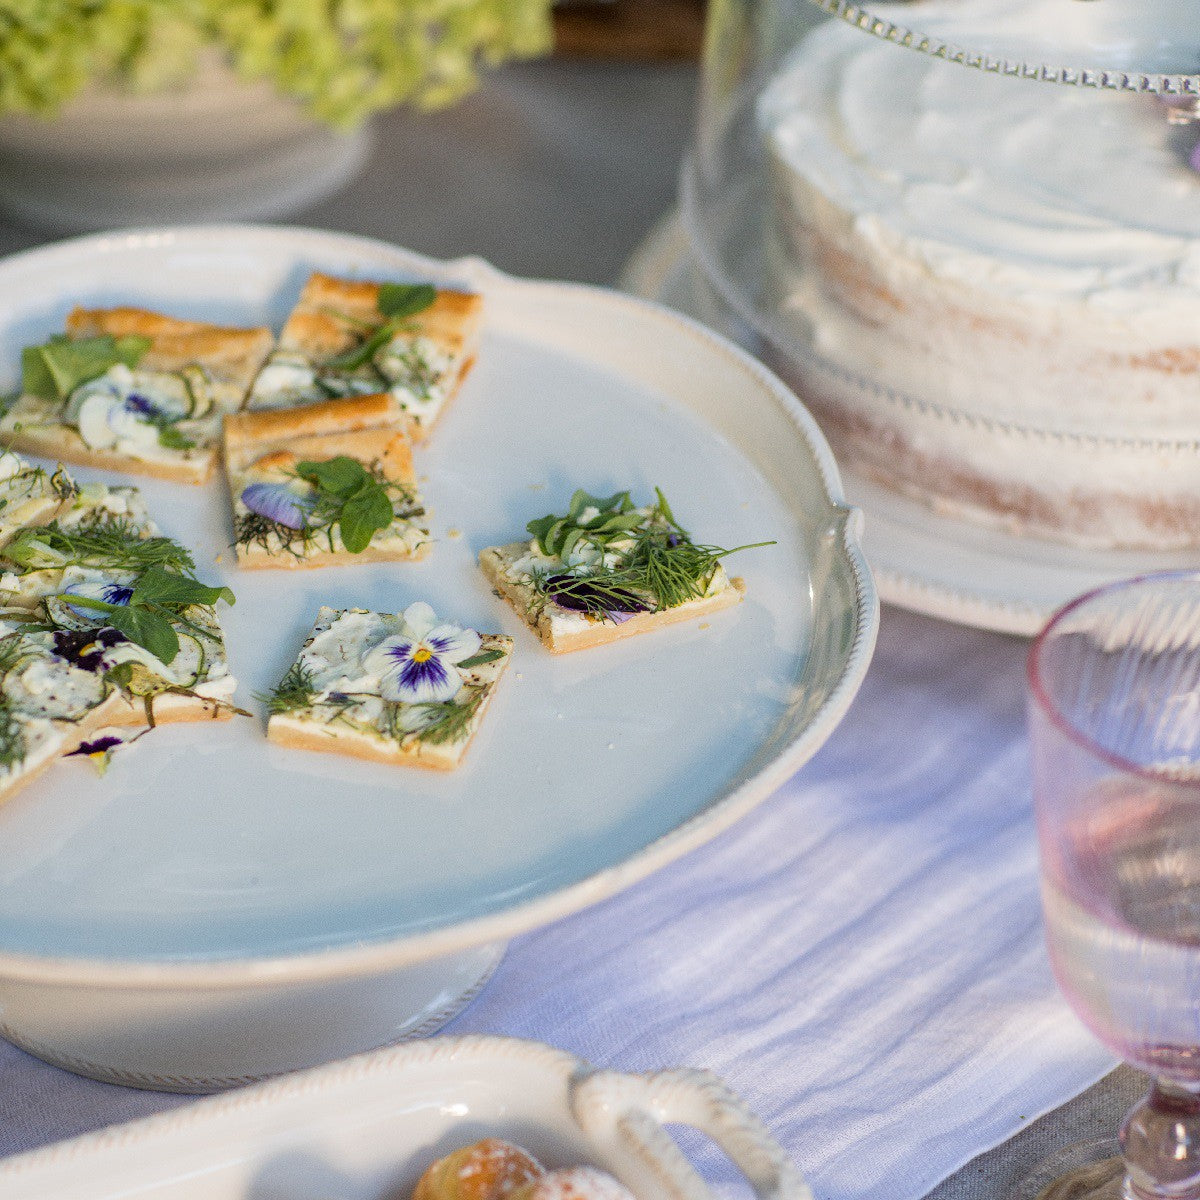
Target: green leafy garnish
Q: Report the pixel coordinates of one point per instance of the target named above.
(478, 660)
(169, 435)
(405, 299)
(113, 543)
(53, 370)
(615, 517)
(157, 602)
(12, 736)
(350, 497)
(294, 691)
(447, 721)
(397, 302)
(644, 560)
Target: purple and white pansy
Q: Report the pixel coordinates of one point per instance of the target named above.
(107, 590)
(279, 502)
(418, 664)
(112, 411)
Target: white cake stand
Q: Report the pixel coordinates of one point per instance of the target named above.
(216, 907)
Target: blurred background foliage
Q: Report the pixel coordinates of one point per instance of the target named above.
(341, 59)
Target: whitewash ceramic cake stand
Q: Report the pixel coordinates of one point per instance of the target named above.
(216, 908)
(366, 1129)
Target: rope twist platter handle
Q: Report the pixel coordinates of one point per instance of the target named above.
(629, 1111)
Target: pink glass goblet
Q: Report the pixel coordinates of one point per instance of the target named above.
(1114, 720)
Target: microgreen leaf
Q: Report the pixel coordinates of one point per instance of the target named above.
(149, 629)
(643, 561)
(340, 476)
(53, 370)
(478, 660)
(351, 497)
(170, 438)
(368, 510)
(405, 299)
(396, 301)
(159, 586)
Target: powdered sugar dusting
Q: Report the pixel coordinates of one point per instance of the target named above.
(577, 1183)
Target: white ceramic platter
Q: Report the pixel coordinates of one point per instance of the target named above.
(921, 559)
(208, 858)
(368, 1128)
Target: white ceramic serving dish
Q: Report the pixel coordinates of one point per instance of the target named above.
(193, 919)
(217, 147)
(366, 1129)
(922, 559)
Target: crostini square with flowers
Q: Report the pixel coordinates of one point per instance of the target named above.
(411, 341)
(322, 485)
(104, 631)
(408, 689)
(132, 390)
(609, 568)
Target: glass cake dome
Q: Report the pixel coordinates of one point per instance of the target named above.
(967, 232)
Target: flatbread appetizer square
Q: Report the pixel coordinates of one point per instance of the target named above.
(326, 484)
(609, 569)
(30, 495)
(345, 337)
(72, 681)
(131, 390)
(108, 595)
(405, 689)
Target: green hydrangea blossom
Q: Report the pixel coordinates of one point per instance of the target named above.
(342, 59)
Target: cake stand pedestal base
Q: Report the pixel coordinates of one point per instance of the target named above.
(205, 1039)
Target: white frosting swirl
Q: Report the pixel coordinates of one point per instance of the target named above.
(1036, 192)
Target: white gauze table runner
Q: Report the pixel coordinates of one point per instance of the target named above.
(861, 958)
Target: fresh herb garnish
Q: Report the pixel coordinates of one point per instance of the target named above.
(53, 370)
(158, 601)
(294, 691)
(115, 543)
(169, 435)
(350, 497)
(478, 660)
(440, 722)
(12, 736)
(397, 302)
(632, 559)
(355, 500)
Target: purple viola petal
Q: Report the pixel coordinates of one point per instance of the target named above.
(399, 649)
(110, 593)
(423, 675)
(99, 745)
(580, 594)
(277, 502)
(142, 405)
(84, 647)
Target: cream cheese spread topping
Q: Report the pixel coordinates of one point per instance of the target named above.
(50, 687)
(127, 411)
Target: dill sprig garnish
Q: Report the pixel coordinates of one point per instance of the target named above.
(12, 736)
(253, 529)
(441, 722)
(294, 691)
(641, 559)
(13, 651)
(116, 543)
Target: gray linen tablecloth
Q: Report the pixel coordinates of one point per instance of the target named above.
(558, 170)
